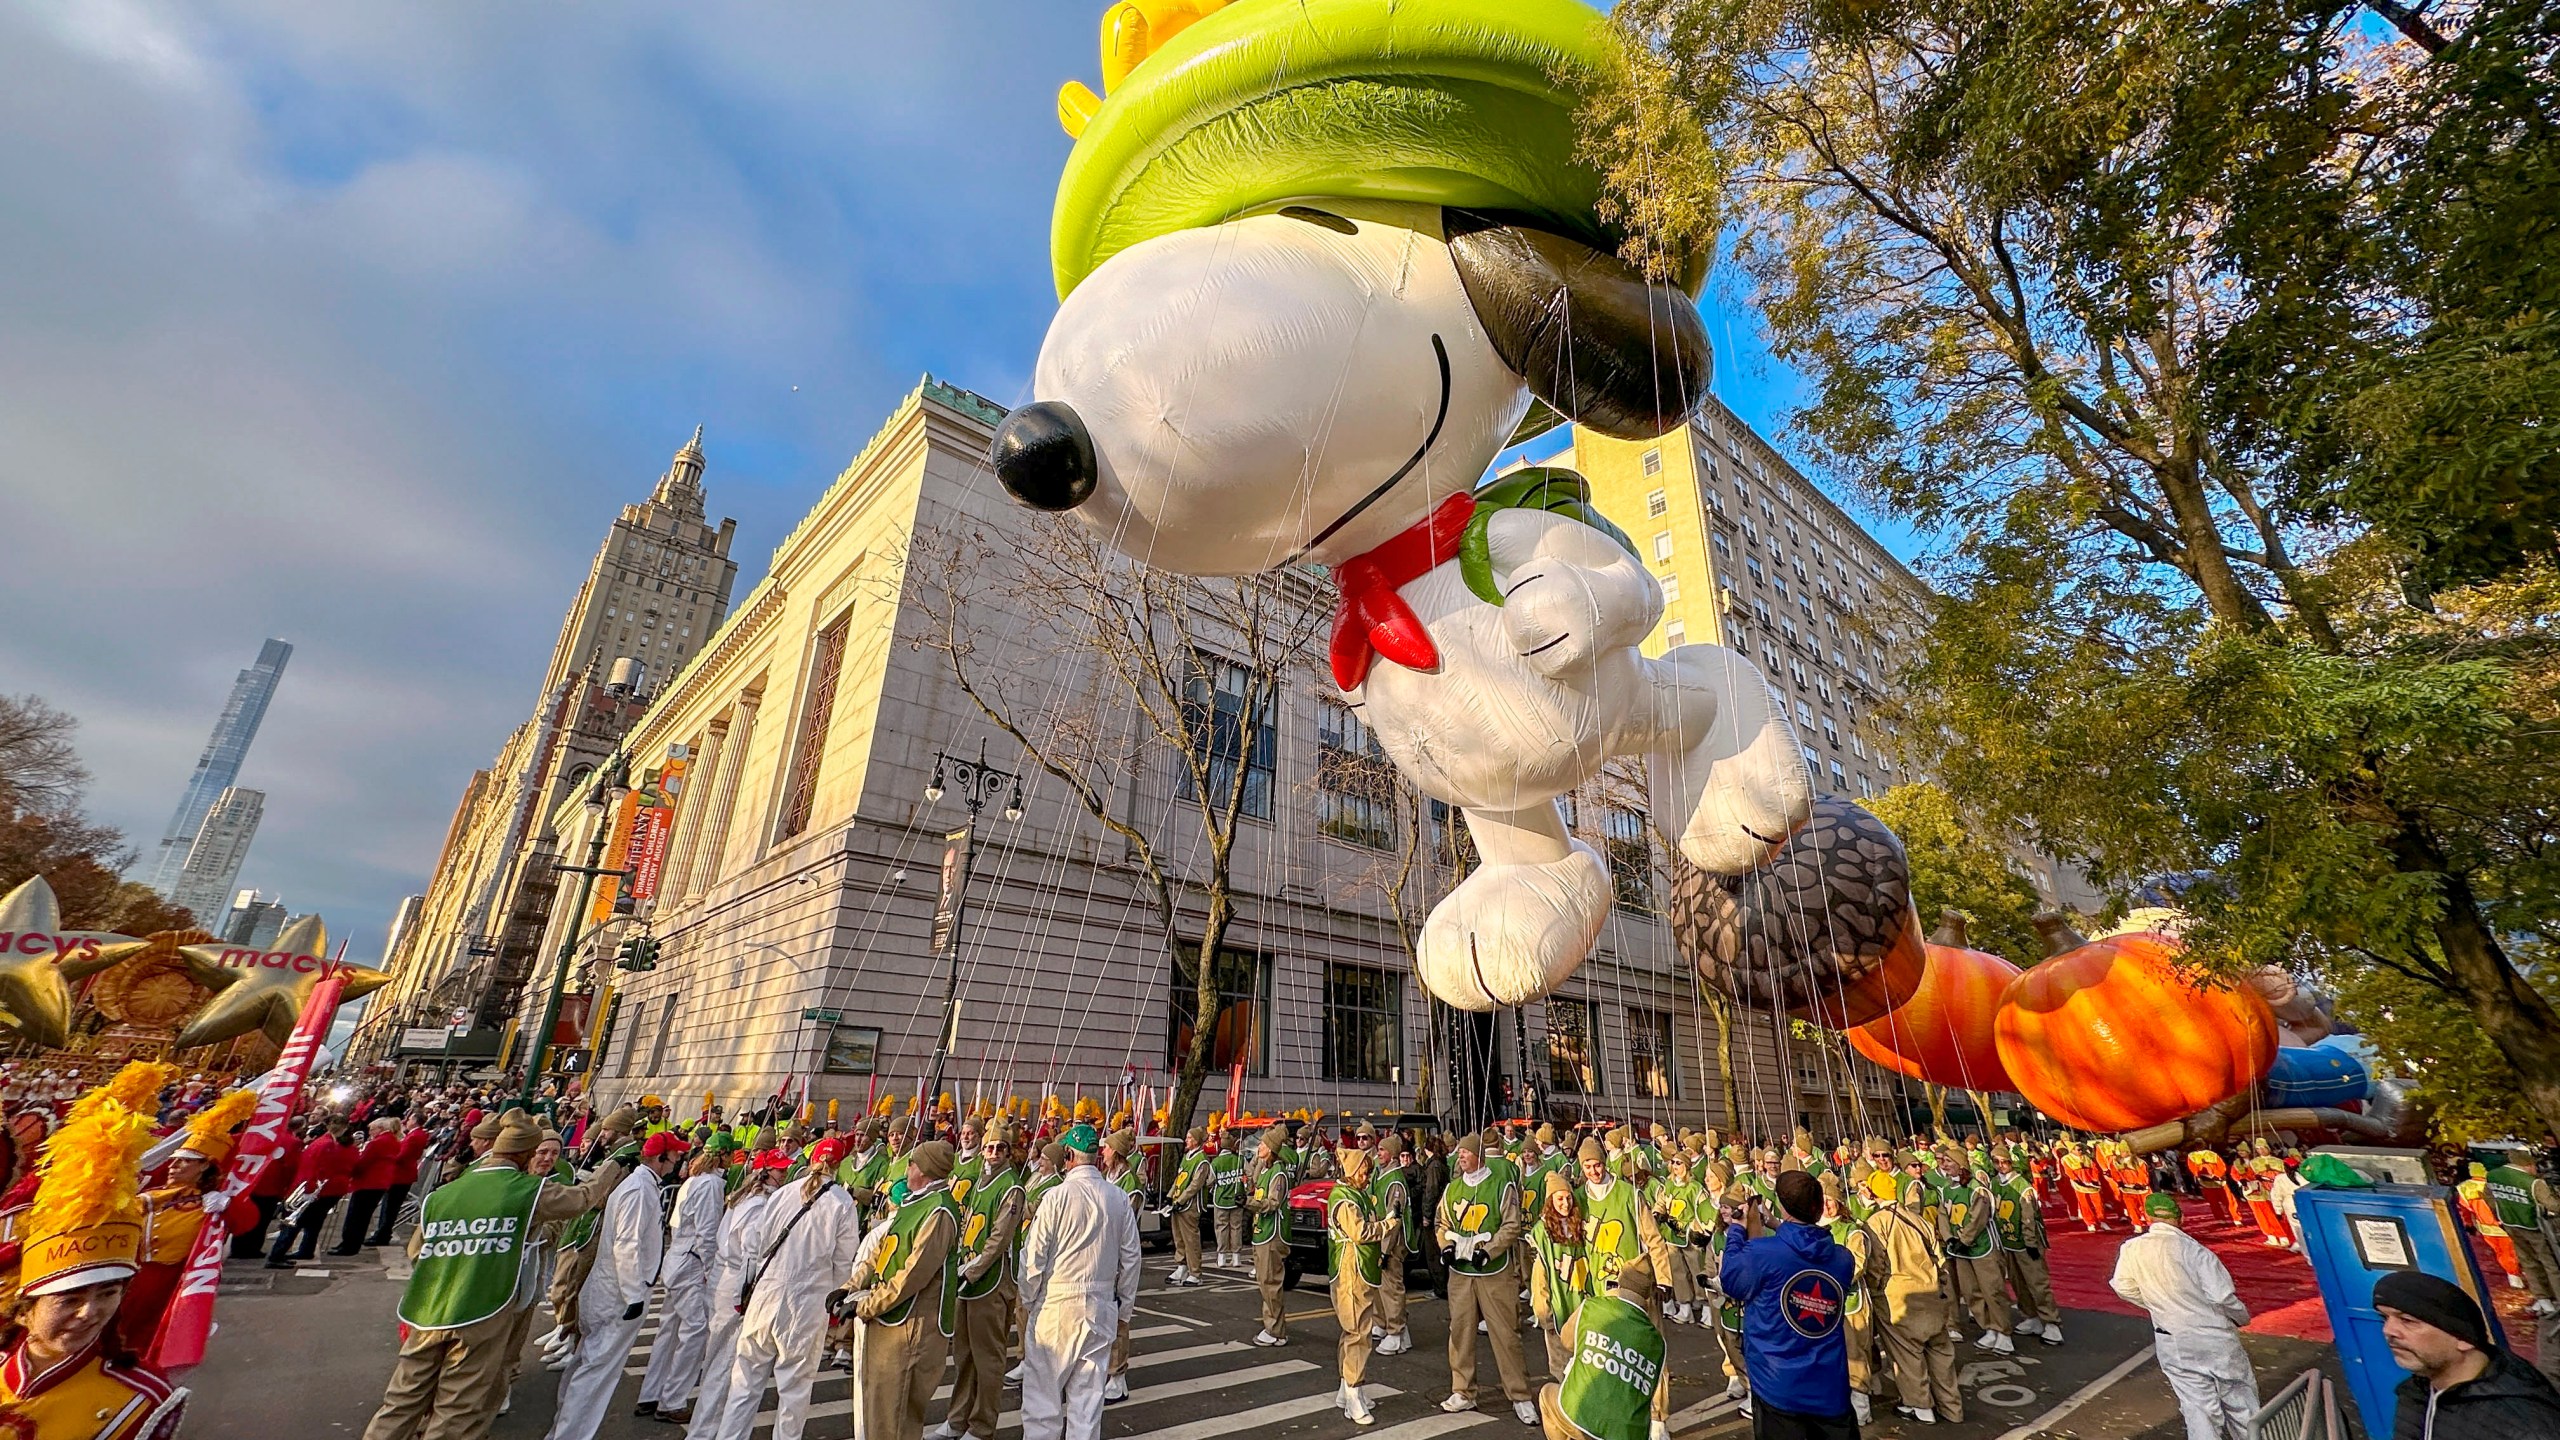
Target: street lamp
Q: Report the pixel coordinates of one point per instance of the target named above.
(979, 783)
(611, 779)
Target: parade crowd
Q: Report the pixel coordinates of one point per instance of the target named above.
(1832, 1278)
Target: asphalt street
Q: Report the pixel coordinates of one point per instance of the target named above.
(307, 1354)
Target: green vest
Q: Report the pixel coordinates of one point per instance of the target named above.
(1132, 1182)
(897, 1250)
(1607, 1391)
(1476, 1210)
(1964, 1205)
(2014, 1213)
(1388, 1188)
(1185, 1192)
(986, 1202)
(2511, 1195)
(472, 1249)
(1349, 1203)
(1841, 1231)
(1031, 1194)
(964, 1178)
(1685, 1202)
(1274, 1228)
(1609, 1223)
(582, 1231)
(1226, 1180)
(1569, 1279)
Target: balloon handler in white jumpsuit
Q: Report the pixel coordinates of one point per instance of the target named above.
(1079, 1283)
(628, 1245)
(740, 1227)
(802, 1248)
(2194, 1312)
(684, 1318)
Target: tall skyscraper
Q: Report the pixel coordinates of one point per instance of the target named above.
(219, 766)
(213, 862)
(255, 920)
(659, 583)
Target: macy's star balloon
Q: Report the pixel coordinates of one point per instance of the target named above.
(37, 956)
(266, 989)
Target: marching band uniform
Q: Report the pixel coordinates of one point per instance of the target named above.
(1080, 1273)
(1267, 1186)
(462, 1304)
(84, 1230)
(1479, 1225)
(174, 1215)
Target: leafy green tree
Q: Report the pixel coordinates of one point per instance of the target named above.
(1954, 866)
(2453, 1072)
(2106, 296)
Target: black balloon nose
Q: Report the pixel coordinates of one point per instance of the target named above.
(1044, 455)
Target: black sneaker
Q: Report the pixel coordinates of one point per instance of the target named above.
(646, 1409)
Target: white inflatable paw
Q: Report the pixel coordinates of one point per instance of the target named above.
(1512, 933)
(1729, 800)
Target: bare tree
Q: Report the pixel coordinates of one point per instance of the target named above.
(40, 772)
(1172, 664)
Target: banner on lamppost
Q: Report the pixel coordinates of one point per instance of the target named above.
(617, 854)
(955, 881)
(188, 1323)
(649, 832)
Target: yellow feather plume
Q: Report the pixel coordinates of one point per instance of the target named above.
(213, 1124)
(136, 1087)
(91, 1169)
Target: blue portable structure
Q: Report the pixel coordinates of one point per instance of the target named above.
(2354, 1237)
(2314, 1075)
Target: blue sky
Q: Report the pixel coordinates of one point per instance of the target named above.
(353, 325)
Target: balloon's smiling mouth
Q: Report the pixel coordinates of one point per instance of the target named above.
(1439, 351)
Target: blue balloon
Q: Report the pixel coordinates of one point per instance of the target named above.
(2315, 1075)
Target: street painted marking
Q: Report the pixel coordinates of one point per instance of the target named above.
(640, 1353)
(1259, 1416)
(2080, 1397)
(1183, 1320)
(1430, 1425)
(1143, 1395)
(1701, 1413)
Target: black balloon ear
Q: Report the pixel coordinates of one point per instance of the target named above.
(1594, 338)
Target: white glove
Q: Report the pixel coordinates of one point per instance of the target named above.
(216, 1202)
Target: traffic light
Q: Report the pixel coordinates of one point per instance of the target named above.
(638, 953)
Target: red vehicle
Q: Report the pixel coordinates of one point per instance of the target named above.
(1309, 1255)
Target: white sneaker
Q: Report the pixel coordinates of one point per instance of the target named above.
(2030, 1326)
(1115, 1389)
(1525, 1411)
(1013, 1376)
(1923, 1415)
(1458, 1400)
(1481, 1330)
(560, 1364)
(1659, 1431)
(1176, 1277)
(2544, 1307)
(1377, 1332)
(1736, 1387)
(1744, 1409)
(1356, 1406)
(1679, 1313)
(1864, 1408)
(508, 1403)
(944, 1431)
(1267, 1338)
(2052, 1334)
(2515, 1282)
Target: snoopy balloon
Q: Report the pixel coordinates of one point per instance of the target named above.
(1320, 261)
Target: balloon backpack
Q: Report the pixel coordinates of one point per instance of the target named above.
(1319, 263)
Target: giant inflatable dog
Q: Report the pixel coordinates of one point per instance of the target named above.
(1321, 260)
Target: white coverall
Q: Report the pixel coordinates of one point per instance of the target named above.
(786, 1323)
(675, 1362)
(629, 1243)
(742, 1225)
(2193, 1311)
(1079, 1282)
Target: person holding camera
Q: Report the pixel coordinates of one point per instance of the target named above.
(1794, 1283)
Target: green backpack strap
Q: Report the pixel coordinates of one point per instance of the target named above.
(1556, 490)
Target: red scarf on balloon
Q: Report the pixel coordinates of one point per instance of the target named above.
(1372, 619)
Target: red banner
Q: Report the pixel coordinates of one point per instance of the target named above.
(188, 1323)
(649, 832)
(1235, 1091)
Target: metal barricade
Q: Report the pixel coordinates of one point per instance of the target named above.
(2305, 1409)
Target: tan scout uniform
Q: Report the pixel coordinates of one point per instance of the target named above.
(1267, 1186)
(1914, 1313)
(1352, 1227)
(990, 1228)
(1480, 1237)
(1391, 1183)
(907, 1334)
(448, 1384)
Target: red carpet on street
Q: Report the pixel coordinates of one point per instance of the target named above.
(2275, 1284)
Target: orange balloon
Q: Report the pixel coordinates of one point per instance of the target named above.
(2107, 1035)
(1943, 1033)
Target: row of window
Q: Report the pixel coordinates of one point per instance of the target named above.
(1576, 1050)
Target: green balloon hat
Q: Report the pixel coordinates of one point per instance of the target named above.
(1217, 108)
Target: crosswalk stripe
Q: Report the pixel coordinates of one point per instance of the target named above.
(640, 1353)
(1258, 1417)
(1430, 1425)
(1144, 1395)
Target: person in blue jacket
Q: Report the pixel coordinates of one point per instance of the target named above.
(1793, 1286)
